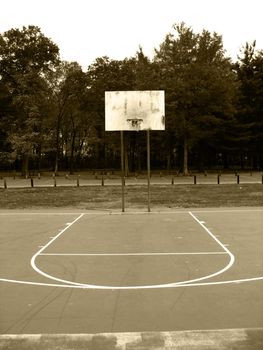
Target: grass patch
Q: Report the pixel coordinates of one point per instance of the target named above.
(109, 197)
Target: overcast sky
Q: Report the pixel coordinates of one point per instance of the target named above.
(87, 29)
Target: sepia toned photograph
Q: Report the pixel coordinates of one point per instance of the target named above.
(131, 175)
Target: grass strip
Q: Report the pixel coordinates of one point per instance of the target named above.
(109, 197)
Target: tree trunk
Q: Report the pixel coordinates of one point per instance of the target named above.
(185, 165)
(57, 152)
(168, 164)
(126, 157)
(25, 160)
(56, 164)
(39, 159)
(71, 160)
(139, 159)
(126, 163)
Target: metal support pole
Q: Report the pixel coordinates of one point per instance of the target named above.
(122, 173)
(148, 167)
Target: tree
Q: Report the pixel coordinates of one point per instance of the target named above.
(26, 57)
(6, 110)
(199, 84)
(107, 75)
(77, 126)
(250, 107)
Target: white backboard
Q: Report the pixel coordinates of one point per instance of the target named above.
(134, 110)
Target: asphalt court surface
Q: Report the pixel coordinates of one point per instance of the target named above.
(169, 271)
(127, 255)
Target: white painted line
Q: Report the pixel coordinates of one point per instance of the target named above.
(165, 212)
(48, 244)
(40, 213)
(166, 285)
(227, 210)
(231, 261)
(32, 283)
(132, 254)
(211, 234)
(109, 212)
(203, 284)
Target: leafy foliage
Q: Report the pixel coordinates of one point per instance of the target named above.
(200, 86)
(26, 56)
(250, 107)
(52, 112)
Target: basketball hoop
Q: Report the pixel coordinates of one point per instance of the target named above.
(135, 123)
(141, 110)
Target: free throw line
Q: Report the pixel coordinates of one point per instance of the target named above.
(132, 254)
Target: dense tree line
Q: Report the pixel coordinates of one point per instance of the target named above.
(52, 112)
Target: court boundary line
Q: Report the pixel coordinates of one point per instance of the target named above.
(152, 212)
(105, 287)
(203, 284)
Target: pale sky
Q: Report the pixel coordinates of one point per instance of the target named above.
(87, 29)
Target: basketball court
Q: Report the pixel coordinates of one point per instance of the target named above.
(132, 273)
(186, 279)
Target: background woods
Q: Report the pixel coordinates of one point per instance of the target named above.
(52, 112)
